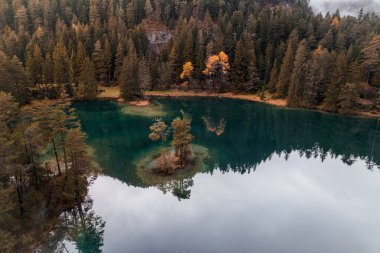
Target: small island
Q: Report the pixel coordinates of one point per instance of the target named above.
(167, 167)
(180, 155)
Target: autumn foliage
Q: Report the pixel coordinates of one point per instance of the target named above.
(217, 64)
(187, 70)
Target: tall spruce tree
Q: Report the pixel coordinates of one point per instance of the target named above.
(287, 66)
(296, 88)
(129, 76)
(338, 80)
(87, 89)
(60, 64)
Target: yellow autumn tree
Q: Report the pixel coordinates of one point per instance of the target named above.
(217, 63)
(187, 70)
(217, 67)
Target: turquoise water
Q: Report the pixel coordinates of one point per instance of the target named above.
(277, 180)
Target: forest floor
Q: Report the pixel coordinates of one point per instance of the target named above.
(114, 93)
(250, 97)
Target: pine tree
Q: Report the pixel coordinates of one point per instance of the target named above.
(120, 54)
(239, 67)
(60, 64)
(182, 138)
(34, 62)
(80, 58)
(144, 74)
(273, 79)
(287, 66)
(73, 69)
(338, 80)
(13, 78)
(87, 89)
(107, 61)
(347, 98)
(129, 76)
(99, 61)
(371, 56)
(253, 73)
(317, 77)
(131, 13)
(47, 69)
(148, 9)
(296, 88)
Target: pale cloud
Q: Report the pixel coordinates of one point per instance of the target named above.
(350, 7)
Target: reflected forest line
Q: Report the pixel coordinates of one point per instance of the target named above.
(252, 134)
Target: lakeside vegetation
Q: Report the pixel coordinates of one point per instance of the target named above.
(35, 187)
(53, 52)
(279, 48)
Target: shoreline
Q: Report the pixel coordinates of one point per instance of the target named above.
(114, 94)
(230, 95)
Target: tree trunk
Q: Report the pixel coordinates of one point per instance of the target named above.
(56, 157)
(64, 151)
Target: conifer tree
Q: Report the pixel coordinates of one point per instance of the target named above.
(148, 9)
(273, 79)
(99, 61)
(338, 80)
(239, 67)
(182, 138)
(13, 78)
(287, 66)
(296, 88)
(47, 69)
(34, 62)
(120, 54)
(347, 98)
(87, 89)
(60, 64)
(129, 76)
(73, 69)
(107, 61)
(144, 74)
(253, 73)
(80, 58)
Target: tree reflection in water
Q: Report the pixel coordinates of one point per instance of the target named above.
(79, 226)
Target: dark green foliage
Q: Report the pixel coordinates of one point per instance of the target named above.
(338, 81)
(52, 39)
(30, 187)
(296, 88)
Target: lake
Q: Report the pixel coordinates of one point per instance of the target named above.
(276, 180)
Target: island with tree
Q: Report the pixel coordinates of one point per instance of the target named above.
(169, 167)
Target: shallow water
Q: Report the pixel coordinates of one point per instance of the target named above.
(277, 180)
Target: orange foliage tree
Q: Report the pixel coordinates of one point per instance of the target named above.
(186, 73)
(217, 67)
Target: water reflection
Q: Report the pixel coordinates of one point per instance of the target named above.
(292, 206)
(311, 190)
(78, 228)
(217, 128)
(255, 134)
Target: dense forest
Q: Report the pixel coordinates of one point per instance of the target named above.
(274, 48)
(55, 50)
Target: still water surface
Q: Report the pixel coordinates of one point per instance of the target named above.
(277, 180)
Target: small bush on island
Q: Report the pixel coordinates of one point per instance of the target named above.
(172, 160)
